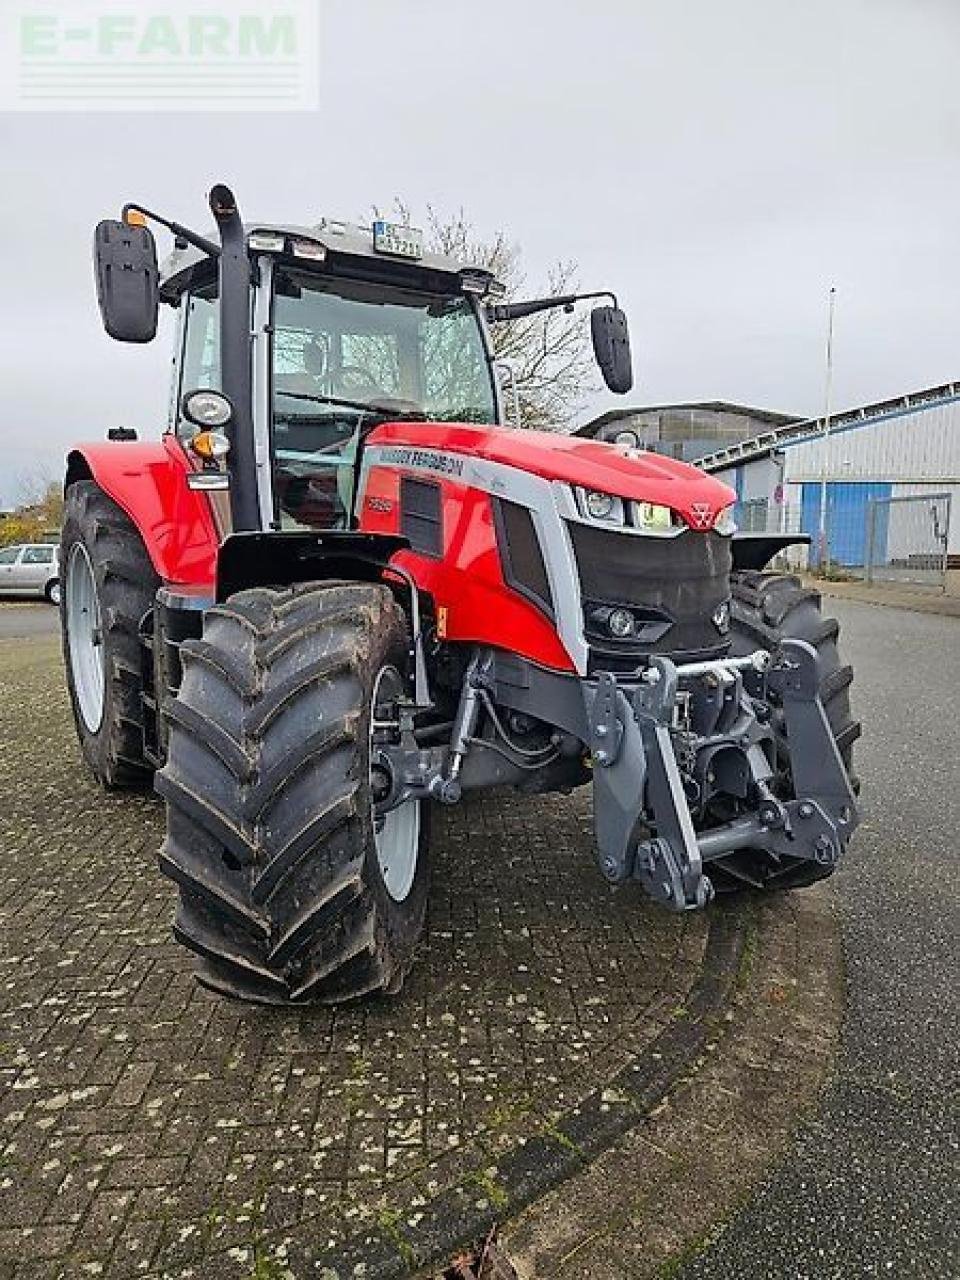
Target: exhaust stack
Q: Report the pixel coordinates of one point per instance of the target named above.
(235, 377)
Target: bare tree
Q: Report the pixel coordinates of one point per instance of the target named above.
(548, 352)
(32, 484)
(39, 499)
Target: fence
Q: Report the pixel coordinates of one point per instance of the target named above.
(882, 539)
(907, 539)
(899, 539)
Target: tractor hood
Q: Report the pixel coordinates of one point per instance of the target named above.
(626, 473)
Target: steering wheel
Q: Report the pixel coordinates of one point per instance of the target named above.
(367, 382)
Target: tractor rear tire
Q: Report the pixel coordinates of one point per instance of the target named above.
(107, 583)
(765, 609)
(271, 834)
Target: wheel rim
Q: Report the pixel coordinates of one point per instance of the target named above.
(396, 834)
(85, 637)
(55, 593)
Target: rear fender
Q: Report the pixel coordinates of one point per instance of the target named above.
(147, 479)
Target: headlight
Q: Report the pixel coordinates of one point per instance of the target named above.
(621, 624)
(312, 249)
(725, 522)
(603, 507)
(627, 439)
(648, 515)
(206, 409)
(600, 505)
(266, 241)
(644, 517)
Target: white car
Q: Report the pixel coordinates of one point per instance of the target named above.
(31, 569)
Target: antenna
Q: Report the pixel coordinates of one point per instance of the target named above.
(827, 397)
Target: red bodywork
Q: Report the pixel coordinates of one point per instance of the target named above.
(467, 582)
(646, 477)
(474, 603)
(149, 481)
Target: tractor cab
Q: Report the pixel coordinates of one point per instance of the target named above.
(352, 327)
(314, 335)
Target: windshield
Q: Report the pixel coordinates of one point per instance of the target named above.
(349, 354)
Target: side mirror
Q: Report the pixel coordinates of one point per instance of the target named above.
(611, 347)
(125, 265)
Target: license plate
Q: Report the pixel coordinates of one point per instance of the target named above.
(397, 240)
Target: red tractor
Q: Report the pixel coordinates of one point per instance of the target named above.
(339, 591)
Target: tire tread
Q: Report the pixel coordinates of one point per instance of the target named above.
(127, 583)
(265, 792)
(765, 608)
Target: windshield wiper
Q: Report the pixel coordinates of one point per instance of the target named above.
(365, 406)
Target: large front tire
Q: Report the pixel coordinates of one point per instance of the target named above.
(107, 584)
(765, 609)
(289, 889)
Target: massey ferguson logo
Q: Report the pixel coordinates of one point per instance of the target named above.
(702, 514)
(447, 464)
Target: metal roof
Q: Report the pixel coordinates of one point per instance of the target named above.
(715, 406)
(336, 236)
(809, 428)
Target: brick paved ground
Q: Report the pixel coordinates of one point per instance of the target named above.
(148, 1128)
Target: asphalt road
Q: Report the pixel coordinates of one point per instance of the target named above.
(870, 1187)
(17, 621)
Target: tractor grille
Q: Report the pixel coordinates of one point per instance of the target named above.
(421, 515)
(672, 585)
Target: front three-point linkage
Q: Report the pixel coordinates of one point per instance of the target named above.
(655, 818)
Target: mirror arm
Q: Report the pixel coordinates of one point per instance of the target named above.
(182, 232)
(519, 310)
(506, 368)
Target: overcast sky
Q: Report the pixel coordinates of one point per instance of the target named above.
(719, 163)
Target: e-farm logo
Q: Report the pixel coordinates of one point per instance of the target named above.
(181, 55)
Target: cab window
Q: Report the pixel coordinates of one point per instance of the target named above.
(9, 555)
(348, 354)
(200, 363)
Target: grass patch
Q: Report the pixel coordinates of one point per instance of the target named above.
(834, 575)
(266, 1267)
(565, 1141)
(388, 1220)
(491, 1188)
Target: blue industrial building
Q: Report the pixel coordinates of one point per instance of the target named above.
(893, 450)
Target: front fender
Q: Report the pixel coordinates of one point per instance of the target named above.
(147, 479)
(280, 559)
(756, 550)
